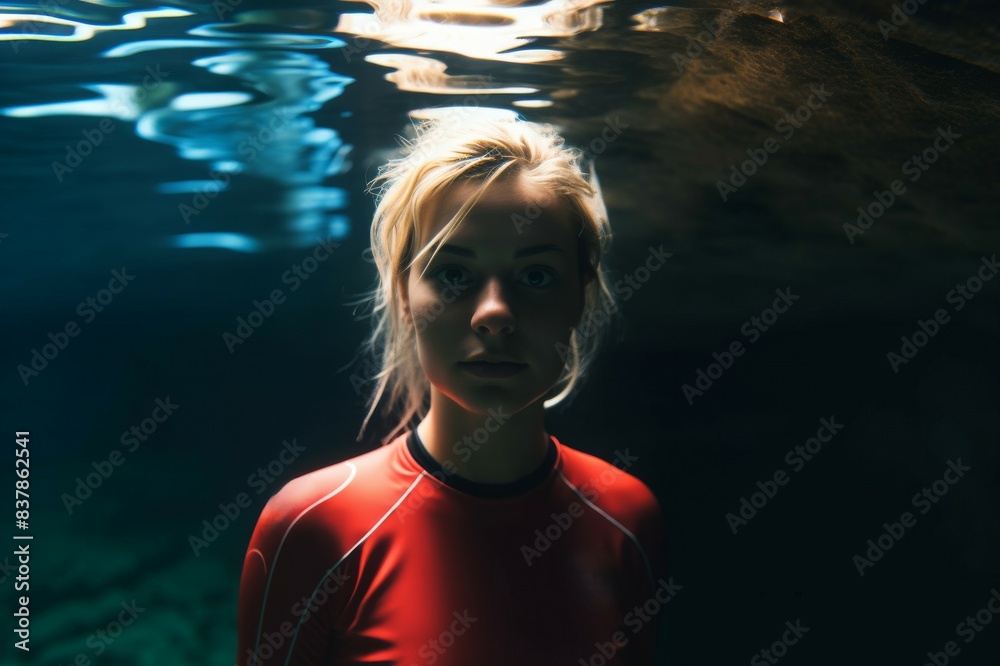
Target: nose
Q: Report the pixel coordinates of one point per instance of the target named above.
(493, 314)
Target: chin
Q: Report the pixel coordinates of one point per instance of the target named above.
(486, 399)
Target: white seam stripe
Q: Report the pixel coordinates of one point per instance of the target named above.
(649, 569)
(291, 645)
(267, 587)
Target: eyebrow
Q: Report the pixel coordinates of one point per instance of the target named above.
(523, 252)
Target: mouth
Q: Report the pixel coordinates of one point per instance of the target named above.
(487, 369)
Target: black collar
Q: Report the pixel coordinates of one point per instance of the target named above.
(478, 488)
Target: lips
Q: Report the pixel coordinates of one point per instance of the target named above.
(493, 363)
(492, 369)
(492, 358)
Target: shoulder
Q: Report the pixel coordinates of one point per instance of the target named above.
(624, 500)
(611, 485)
(322, 503)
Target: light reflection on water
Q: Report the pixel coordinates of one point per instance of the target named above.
(23, 26)
(266, 133)
(274, 139)
(260, 112)
(484, 30)
(258, 121)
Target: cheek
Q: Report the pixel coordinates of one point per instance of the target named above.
(549, 335)
(427, 315)
(434, 321)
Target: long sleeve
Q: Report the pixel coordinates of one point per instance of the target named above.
(653, 589)
(290, 590)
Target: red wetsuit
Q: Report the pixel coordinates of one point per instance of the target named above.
(388, 559)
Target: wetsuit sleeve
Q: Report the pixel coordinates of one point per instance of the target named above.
(288, 598)
(651, 585)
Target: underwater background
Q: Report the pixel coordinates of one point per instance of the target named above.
(822, 174)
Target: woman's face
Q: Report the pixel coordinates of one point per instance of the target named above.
(506, 283)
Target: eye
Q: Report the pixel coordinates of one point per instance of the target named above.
(535, 277)
(534, 273)
(450, 275)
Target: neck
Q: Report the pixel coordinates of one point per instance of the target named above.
(493, 447)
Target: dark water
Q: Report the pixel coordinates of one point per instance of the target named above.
(685, 110)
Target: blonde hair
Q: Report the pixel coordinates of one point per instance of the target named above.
(477, 148)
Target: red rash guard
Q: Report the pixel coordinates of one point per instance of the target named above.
(388, 559)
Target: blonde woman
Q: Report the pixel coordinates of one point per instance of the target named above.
(475, 537)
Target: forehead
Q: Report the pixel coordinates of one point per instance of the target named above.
(511, 212)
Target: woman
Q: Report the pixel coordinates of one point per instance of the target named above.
(476, 537)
